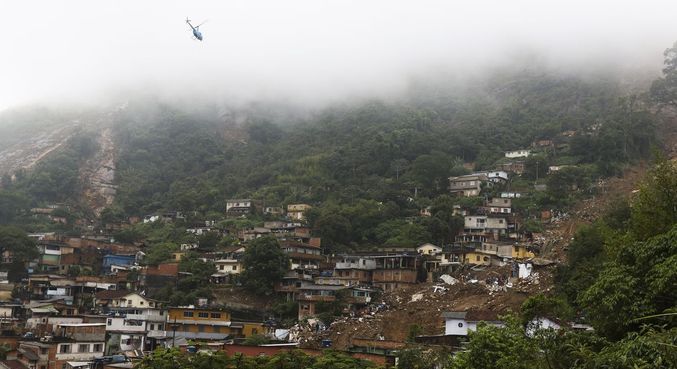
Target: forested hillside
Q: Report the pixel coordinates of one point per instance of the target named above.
(369, 165)
(365, 166)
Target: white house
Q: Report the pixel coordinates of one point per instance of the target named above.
(499, 205)
(428, 249)
(458, 323)
(79, 350)
(517, 154)
(228, 266)
(468, 185)
(495, 176)
(151, 218)
(240, 207)
(355, 262)
(484, 224)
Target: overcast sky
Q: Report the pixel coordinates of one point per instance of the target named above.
(305, 50)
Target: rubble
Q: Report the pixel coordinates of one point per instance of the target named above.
(446, 278)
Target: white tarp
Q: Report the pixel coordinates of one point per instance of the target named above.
(282, 334)
(525, 270)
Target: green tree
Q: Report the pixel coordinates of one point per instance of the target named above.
(654, 210)
(264, 265)
(165, 359)
(337, 360)
(22, 248)
(493, 347)
(541, 306)
(208, 241)
(664, 90)
(536, 167)
(195, 284)
(334, 229)
(159, 253)
(10, 205)
(635, 283)
(416, 358)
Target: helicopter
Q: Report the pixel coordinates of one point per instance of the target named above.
(196, 29)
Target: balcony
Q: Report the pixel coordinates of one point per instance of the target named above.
(148, 317)
(157, 334)
(316, 298)
(356, 265)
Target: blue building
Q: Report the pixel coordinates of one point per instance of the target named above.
(121, 260)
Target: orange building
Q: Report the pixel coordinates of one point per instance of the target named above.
(208, 324)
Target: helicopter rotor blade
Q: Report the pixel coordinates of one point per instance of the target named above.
(201, 24)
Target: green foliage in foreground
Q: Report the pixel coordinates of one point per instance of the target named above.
(624, 266)
(510, 348)
(170, 359)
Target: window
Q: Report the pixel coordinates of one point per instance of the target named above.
(234, 267)
(110, 321)
(159, 327)
(65, 349)
(477, 258)
(216, 315)
(44, 351)
(188, 314)
(221, 267)
(83, 347)
(98, 347)
(152, 327)
(203, 315)
(141, 303)
(200, 327)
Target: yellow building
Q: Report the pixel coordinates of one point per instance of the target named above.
(177, 256)
(207, 324)
(297, 211)
(477, 258)
(521, 252)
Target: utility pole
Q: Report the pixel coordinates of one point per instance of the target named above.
(536, 170)
(174, 333)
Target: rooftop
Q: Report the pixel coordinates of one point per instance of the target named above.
(111, 294)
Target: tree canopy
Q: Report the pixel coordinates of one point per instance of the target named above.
(264, 264)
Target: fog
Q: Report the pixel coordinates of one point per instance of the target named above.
(308, 51)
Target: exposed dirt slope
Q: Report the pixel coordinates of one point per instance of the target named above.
(25, 154)
(98, 173)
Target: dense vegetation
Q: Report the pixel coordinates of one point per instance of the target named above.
(636, 245)
(53, 180)
(170, 359)
(367, 168)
